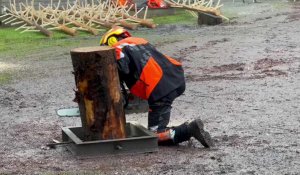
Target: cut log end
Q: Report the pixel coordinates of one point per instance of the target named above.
(91, 49)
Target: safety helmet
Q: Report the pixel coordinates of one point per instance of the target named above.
(114, 35)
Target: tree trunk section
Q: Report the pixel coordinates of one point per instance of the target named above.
(98, 93)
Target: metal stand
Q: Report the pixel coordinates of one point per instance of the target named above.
(139, 140)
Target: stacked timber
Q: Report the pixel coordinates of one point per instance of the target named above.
(90, 17)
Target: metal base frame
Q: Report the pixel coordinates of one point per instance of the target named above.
(139, 140)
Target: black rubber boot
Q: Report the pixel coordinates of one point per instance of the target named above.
(196, 129)
(182, 133)
(167, 143)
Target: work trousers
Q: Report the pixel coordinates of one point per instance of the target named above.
(160, 110)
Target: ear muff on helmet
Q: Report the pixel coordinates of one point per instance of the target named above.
(118, 32)
(112, 40)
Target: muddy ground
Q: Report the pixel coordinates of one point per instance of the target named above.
(243, 81)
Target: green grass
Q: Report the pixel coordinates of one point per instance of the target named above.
(180, 17)
(13, 43)
(280, 5)
(5, 77)
(230, 14)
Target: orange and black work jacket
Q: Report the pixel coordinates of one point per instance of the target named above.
(148, 73)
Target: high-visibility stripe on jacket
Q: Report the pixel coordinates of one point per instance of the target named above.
(147, 73)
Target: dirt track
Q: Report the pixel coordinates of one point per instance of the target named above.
(243, 80)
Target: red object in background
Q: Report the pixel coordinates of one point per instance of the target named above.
(125, 2)
(157, 4)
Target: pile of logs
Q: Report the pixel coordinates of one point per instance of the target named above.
(194, 7)
(90, 17)
(93, 16)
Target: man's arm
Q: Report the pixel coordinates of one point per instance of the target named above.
(124, 93)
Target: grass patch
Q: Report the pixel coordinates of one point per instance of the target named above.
(280, 5)
(5, 77)
(180, 17)
(230, 14)
(16, 44)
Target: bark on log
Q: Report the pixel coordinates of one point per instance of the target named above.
(100, 22)
(61, 27)
(66, 29)
(37, 26)
(127, 25)
(78, 24)
(98, 92)
(143, 22)
(147, 23)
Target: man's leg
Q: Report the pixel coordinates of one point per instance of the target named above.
(160, 111)
(159, 117)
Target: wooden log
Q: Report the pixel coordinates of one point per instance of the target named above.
(61, 27)
(203, 9)
(98, 92)
(143, 22)
(66, 29)
(98, 21)
(127, 25)
(13, 15)
(78, 24)
(38, 27)
(147, 23)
